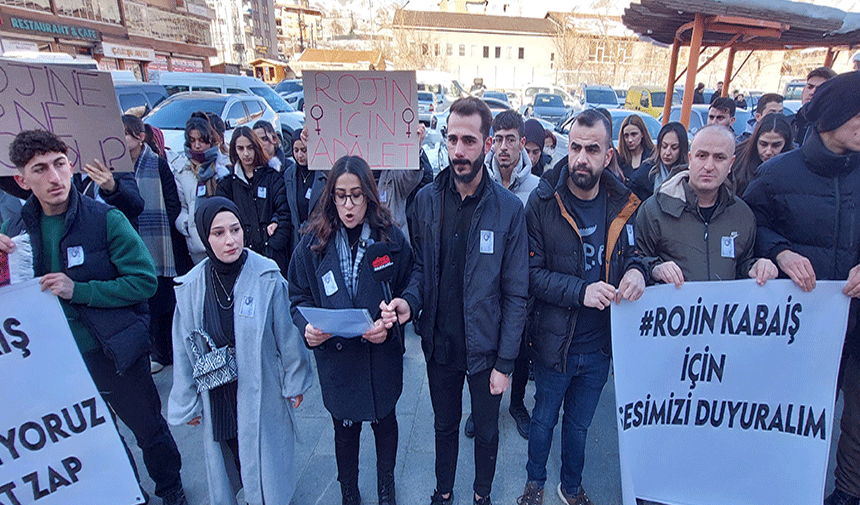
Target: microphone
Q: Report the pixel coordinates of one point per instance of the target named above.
(382, 268)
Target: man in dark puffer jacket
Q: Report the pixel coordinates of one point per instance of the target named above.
(805, 203)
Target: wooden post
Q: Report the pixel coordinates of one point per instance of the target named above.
(727, 79)
(670, 87)
(692, 67)
(828, 60)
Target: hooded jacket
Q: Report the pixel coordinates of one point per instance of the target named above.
(807, 200)
(670, 227)
(557, 264)
(523, 181)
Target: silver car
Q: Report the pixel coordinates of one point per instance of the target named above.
(426, 106)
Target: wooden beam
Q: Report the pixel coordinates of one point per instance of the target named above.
(830, 57)
(742, 64)
(712, 58)
(727, 78)
(692, 65)
(670, 89)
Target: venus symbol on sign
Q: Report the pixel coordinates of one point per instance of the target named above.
(408, 117)
(317, 114)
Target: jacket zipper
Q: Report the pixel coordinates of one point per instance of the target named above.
(476, 216)
(836, 225)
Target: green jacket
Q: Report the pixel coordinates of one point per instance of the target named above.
(669, 227)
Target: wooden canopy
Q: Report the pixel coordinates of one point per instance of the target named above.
(736, 25)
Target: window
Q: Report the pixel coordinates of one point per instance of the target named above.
(449, 49)
(522, 54)
(211, 89)
(425, 49)
(462, 49)
(508, 52)
(236, 91)
(134, 103)
(498, 52)
(486, 51)
(255, 108)
(474, 51)
(236, 116)
(436, 50)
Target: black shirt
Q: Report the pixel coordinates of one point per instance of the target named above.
(304, 181)
(450, 340)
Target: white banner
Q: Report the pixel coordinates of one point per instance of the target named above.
(725, 391)
(373, 115)
(58, 443)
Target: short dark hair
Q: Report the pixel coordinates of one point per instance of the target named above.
(509, 120)
(590, 118)
(725, 104)
(822, 72)
(31, 143)
(470, 106)
(266, 126)
(766, 99)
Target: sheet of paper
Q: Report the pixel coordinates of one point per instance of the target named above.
(347, 323)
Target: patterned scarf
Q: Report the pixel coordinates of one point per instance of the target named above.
(153, 224)
(348, 267)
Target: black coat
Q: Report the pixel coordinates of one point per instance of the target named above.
(260, 210)
(360, 381)
(319, 178)
(125, 196)
(557, 266)
(807, 201)
(495, 301)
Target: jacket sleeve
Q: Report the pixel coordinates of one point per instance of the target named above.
(515, 291)
(184, 208)
(769, 243)
(299, 287)
(413, 294)
(564, 290)
(125, 196)
(169, 191)
(135, 281)
(294, 356)
(183, 404)
(633, 257)
(280, 240)
(647, 239)
(225, 188)
(640, 183)
(747, 258)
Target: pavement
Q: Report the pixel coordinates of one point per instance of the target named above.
(414, 475)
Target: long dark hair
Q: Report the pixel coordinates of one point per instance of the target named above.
(748, 160)
(134, 127)
(683, 147)
(260, 157)
(324, 221)
(624, 154)
(200, 123)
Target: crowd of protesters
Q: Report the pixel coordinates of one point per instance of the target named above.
(507, 262)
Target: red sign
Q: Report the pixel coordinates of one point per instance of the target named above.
(381, 262)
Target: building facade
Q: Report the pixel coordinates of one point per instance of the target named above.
(244, 30)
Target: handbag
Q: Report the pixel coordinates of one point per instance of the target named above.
(215, 368)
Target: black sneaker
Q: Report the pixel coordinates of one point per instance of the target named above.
(437, 499)
(838, 497)
(522, 418)
(469, 429)
(175, 498)
(482, 501)
(385, 488)
(532, 495)
(350, 494)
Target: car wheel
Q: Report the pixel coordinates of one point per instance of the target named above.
(287, 141)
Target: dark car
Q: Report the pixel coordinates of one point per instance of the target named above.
(548, 107)
(138, 98)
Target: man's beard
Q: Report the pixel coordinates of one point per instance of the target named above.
(584, 182)
(468, 177)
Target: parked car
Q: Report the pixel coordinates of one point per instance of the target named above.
(293, 92)
(434, 141)
(595, 95)
(794, 89)
(548, 107)
(513, 99)
(236, 110)
(618, 115)
(138, 98)
(621, 93)
(426, 106)
(699, 118)
(649, 99)
(290, 119)
(531, 90)
(496, 95)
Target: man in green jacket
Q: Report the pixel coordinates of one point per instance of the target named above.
(694, 228)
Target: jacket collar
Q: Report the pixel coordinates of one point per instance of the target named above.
(676, 195)
(519, 173)
(32, 210)
(822, 160)
(552, 180)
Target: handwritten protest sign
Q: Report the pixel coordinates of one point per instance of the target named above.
(76, 104)
(58, 443)
(725, 391)
(373, 115)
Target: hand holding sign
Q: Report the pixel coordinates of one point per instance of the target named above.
(101, 175)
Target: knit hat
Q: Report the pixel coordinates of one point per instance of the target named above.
(835, 102)
(533, 132)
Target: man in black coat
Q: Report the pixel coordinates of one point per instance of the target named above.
(805, 203)
(469, 285)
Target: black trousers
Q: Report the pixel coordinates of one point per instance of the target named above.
(520, 377)
(346, 439)
(134, 399)
(161, 307)
(446, 393)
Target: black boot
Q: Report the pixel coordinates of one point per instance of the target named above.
(385, 488)
(350, 494)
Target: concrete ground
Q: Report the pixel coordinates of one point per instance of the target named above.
(415, 459)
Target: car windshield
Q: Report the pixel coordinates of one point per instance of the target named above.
(548, 101)
(273, 99)
(601, 96)
(173, 114)
(496, 95)
(425, 96)
(658, 98)
(289, 87)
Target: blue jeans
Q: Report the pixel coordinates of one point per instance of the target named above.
(579, 391)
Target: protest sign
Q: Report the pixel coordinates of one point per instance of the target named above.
(58, 443)
(78, 105)
(368, 114)
(725, 391)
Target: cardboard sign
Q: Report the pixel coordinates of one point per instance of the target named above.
(373, 115)
(76, 104)
(725, 391)
(58, 443)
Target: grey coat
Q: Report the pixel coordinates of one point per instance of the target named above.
(273, 365)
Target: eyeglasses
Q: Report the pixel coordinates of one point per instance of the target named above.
(341, 198)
